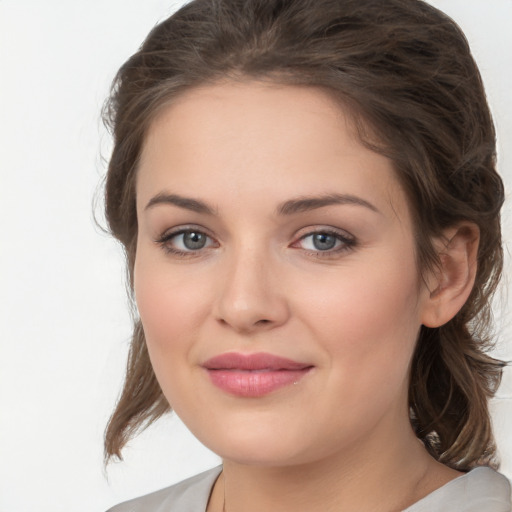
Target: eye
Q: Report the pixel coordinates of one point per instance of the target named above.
(185, 241)
(190, 240)
(325, 241)
(320, 242)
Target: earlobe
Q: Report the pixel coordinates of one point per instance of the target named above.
(450, 286)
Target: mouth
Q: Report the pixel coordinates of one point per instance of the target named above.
(254, 375)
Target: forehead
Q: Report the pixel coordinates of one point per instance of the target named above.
(262, 111)
(233, 138)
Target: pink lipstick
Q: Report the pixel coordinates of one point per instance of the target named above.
(253, 375)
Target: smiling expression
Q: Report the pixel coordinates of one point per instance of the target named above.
(275, 274)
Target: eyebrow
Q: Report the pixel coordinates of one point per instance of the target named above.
(304, 204)
(187, 203)
(290, 207)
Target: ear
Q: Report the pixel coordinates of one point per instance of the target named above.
(449, 286)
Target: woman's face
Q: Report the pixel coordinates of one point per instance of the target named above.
(275, 275)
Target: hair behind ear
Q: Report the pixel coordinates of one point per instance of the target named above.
(141, 402)
(451, 383)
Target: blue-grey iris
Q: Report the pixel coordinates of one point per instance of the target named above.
(324, 241)
(193, 240)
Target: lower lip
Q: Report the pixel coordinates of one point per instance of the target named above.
(255, 383)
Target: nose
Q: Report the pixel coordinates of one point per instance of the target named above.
(251, 298)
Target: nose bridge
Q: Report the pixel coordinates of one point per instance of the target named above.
(249, 296)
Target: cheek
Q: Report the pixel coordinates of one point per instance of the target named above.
(170, 305)
(170, 308)
(368, 320)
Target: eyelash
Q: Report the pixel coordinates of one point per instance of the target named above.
(166, 238)
(347, 242)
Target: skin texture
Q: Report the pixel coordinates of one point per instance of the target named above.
(340, 436)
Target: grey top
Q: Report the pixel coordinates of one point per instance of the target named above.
(480, 490)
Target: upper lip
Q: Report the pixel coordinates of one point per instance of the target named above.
(257, 361)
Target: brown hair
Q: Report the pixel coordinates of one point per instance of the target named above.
(405, 68)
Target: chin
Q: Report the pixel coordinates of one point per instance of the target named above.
(251, 456)
(265, 447)
(247, 445)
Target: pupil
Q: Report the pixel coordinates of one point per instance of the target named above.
(323, 242)
(193, 240)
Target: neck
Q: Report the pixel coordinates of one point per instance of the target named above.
(380, 477)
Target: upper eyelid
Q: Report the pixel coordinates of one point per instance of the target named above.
(178, 230)
(310, 230)
(307, 230)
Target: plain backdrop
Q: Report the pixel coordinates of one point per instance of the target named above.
(64, 316)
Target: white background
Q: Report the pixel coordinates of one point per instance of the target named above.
(64, 318)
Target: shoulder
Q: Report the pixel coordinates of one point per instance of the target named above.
(482, 489)
(190, 495)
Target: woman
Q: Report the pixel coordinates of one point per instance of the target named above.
(307, 196)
